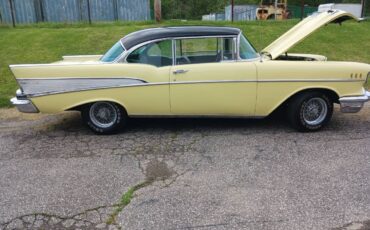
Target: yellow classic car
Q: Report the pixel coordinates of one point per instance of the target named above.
(196, 71)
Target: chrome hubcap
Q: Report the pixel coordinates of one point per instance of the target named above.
(315, 111)
(103, 114)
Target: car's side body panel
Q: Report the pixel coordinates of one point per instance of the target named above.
(227, 88)
(139, 88)
(147, 100)
(278, 80)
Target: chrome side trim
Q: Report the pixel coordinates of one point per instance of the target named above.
(79, 78)
(35, 87)
(99, 88)
(353, 104)
(41, 86)
(136, 85)
(197, 116)
(309, 80)
(211, 81)
(133, 78)
(24, 105)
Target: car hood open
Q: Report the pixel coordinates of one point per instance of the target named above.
(303, 29)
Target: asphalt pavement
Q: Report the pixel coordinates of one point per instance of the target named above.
(184, 174)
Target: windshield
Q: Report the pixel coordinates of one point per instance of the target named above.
(113, 53)
(247, 51)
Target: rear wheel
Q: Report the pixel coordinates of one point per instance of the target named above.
(310, 111)
(104, 117)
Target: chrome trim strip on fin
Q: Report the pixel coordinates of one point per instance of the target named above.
(56, 85)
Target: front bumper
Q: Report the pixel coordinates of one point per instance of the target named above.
(353, 104)
(23, 104)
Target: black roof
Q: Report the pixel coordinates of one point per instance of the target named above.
(141, 36)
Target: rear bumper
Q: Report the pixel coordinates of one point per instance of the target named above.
(353, 104)
(23, 104)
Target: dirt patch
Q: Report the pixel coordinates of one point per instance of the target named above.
(13, 114)
(11, 120)
(158, 170)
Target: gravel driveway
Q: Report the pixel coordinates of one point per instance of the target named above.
(184, 174)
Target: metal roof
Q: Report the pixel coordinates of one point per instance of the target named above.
(141, 36)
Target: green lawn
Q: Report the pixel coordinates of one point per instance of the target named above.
(45, 43)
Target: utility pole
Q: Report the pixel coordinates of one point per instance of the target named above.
(12, 11)
(362, 8)
(302, 9)
(232, 10)
(157, 10)
(89, 11)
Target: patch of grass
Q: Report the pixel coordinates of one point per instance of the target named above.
(124, 201)
(4, 102)
(47, 42)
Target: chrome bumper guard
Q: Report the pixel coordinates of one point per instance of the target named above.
(353, 104)
(23, 104)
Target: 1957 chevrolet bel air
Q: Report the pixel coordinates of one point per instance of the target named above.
(197, 71)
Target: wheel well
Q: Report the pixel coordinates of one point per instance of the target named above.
(81, 107)
(333, 96)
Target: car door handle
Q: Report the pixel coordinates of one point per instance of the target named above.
(179, 71)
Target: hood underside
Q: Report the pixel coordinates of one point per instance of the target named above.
(303, 29)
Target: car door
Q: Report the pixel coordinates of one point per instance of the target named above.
(150, 63)
(207, 80)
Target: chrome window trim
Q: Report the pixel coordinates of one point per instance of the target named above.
(235, 51)
(238, 46)
(123, 58)
(200, 37)
(173, 52)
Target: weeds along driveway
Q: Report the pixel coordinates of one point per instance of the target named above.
(184, 174)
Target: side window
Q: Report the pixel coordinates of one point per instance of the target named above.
(204, 50)
(158, 54)
(246, 50)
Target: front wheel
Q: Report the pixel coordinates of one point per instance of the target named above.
(310, 111)
(104, 117)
